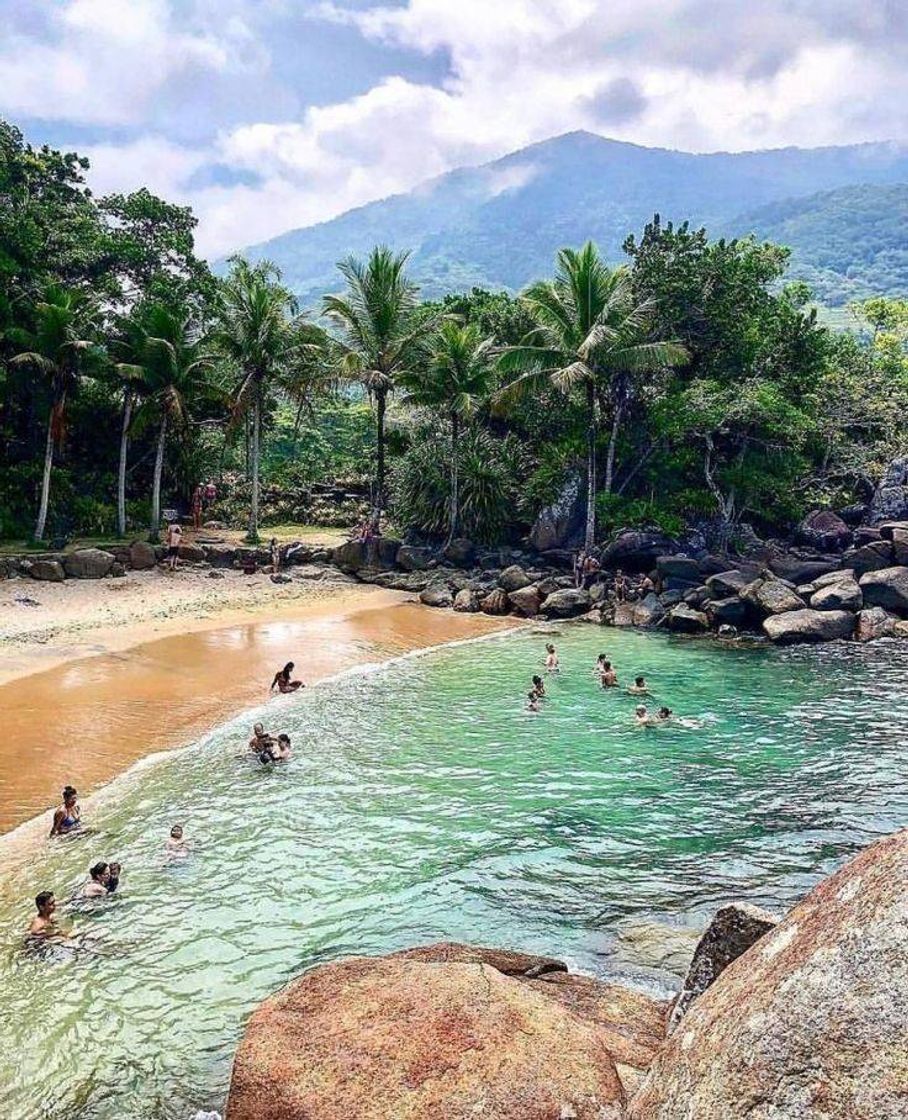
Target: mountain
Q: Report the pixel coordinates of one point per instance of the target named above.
(500, 224)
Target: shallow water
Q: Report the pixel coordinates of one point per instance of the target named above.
(424, 803)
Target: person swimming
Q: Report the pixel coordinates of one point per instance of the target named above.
(551, 659)
(539, 686)
(96, 887)
(664, 715)
(262, 745)
(608, 677)
(639, 687)
(283, 751)
(43, 924)
(176, 844)
(642, 717)
(69, 815)
(533, 701)
(283, 682)
(114, 871)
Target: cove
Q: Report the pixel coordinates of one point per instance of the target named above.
(425, 803)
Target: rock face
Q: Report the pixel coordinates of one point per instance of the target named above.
(526, 601)
(636, 550)
(890, 499)
(566, 603)
(887, 588)
(874, 623)
(808, 626)
(442, 1034)
(810, 1023)
(412, 558)
(562, 520)
(685, 620)
(88, 563)
(844, 595)
(731, 932)
(50, 571)
(824, 531)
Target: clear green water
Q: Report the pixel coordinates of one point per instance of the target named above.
(425, 803)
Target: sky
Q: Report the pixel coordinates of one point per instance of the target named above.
(267, 115)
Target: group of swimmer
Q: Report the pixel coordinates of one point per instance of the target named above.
(608, 678)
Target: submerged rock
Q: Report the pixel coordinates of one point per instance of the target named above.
(658, 945)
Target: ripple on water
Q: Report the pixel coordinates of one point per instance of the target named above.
(423, 802)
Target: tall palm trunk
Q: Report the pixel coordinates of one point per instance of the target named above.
(591, 434)
(454, 516)
(255, 452)
(619, 398)
(45, 479)
(121, 472)
(381, 402)
(156, 480)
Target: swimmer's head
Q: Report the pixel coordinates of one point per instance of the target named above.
(639, 681)
(641, 709)
(177, 832)
(69, 795)
(114, 869)
(531, 695)
(284, 739)
(664, 713)
(45, 903)
(606, 664)
(601, 657)
(537, 680)
(549, 648)
(258, 728)
(100, 872)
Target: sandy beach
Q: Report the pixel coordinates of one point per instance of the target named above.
(95, 675)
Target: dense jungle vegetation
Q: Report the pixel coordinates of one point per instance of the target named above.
(690, 384)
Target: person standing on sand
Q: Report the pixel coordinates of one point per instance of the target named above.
(275, 555)
(174, 539)
(69, 814)
(42, 925)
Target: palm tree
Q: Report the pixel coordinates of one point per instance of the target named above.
(378, 333)
(168, 366)
(455, 380)
(63, 317)
(592, 334)
(129, 377)
(256, 317)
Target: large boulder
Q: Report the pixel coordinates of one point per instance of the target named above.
(727, 612)
(460, 552)
(873, 623)
(558, 523)
(496, 602)
(566, 603)
(526, 600)
(466, 601)
(890, 499)
(887, 588)
(437, 595)
(684, 619)
(824, 530)
(217, 555)
(797, 569)
(350, 555)
(648, 610)
(414, 1037)
(378, 554)
(636, 550)
(49, 571)
(142, 556)
(678, 567)
(842, 595)
(869, 557)
(771, 596)
(513, 578)
(412, 558)
(193, 553)
(722, 585)
(900, 546)
(808, 626)
(88, 563)
(809, 1023)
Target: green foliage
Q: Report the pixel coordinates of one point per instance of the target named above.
(615, 512)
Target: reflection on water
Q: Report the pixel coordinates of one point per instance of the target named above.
(424, 802)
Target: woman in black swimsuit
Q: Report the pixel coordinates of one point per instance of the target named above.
(282, 680)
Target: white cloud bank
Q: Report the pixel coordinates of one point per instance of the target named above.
(689, 74)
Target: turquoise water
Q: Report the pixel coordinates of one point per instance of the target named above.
(424, 803)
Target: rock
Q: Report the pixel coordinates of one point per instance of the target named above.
(901, 630)
(727, 612)
(808, 626)
(412, 558)
(622, 614)
(88, 563)
(731, 932)
(648, 610)
(726, 630)
(398, 581)
(466, 601)
(566, 603)
(900, 547)
(869, 557)
(890, 499)
(221, 555)
(685, 620)
(350, 555)
(460, 552)
(117, 571)
(843, 595)
(636, 551)
(550, 584)
(771, 596)
(658, 945)
(193, 553)
(725, 584)
(443, 1033)
(795, 570)
(496, 602)
(873, 623)
(142, 556)
(697, 597)
(437, 595)
(281, 577)
(833, 577)
(513, 578)
(889, 530)
(670, 598)
(865, 534)
(680, 567)
(311, 572)
(379, 554)
(887, 588)
(216, 573)
(216, 525)
(824, 531)
(526, 601)
(557, 524)
(49, 571)
(808, 1024)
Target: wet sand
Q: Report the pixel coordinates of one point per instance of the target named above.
(88, 720)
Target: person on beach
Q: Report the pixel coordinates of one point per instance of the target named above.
(539, 686)
(551, 659)
(96, 887)
(197, 507)
(532, 701)
(639, 687)
(275, 555)
(642, 718)
(174, 538)
(43, 925)
(620, 586)
(600, 664)
(176, 844)
(608, 678)
(69, 815)
(114, 870)
(283, 752)
(262, 745)
(282, 681)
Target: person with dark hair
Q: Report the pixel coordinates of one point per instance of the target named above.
(96, 887)
(114, 870)
(539, 686)
(174, 538)
(532, 701)
(69, 815)
(176, 842)
(664, 715)
(42, 925)
(283, 751)
(607, 675)
(282, 681)
(639, 687)
(262, 745)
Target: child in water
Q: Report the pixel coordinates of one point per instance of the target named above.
(532, 701)
(539, 686)
(551, 659)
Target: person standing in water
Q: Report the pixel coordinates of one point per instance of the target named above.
(96, 887)
(283, 751)
(642, 717)
(176, 844)
(69, 815)
(539, 686)
(43, 925)
(532, 701)
(551, 659)
(639, 687)
(282, 681)
(608, 677)
(174, 538)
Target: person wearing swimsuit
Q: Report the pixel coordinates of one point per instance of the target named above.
(42, 925)
(551, 659)
(69, 815)
(282, 680)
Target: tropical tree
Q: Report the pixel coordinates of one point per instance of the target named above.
(168, 373)
(256, 329)
(455, 380)
(591, 334)
(64, 320)
(379, 331)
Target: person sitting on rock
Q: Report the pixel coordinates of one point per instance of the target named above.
(620, 586)
(589, 572)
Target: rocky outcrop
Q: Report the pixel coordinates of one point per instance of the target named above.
(437, 595)
(88, 563)
(873, 623)
(636, 550)
(558, 523)
(840, 595)
(890, 499)
(808, 626)
(685, 620)
(808, 1023)
(887, 588)
(824, 531)
(449, 1031)
(566, 603)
